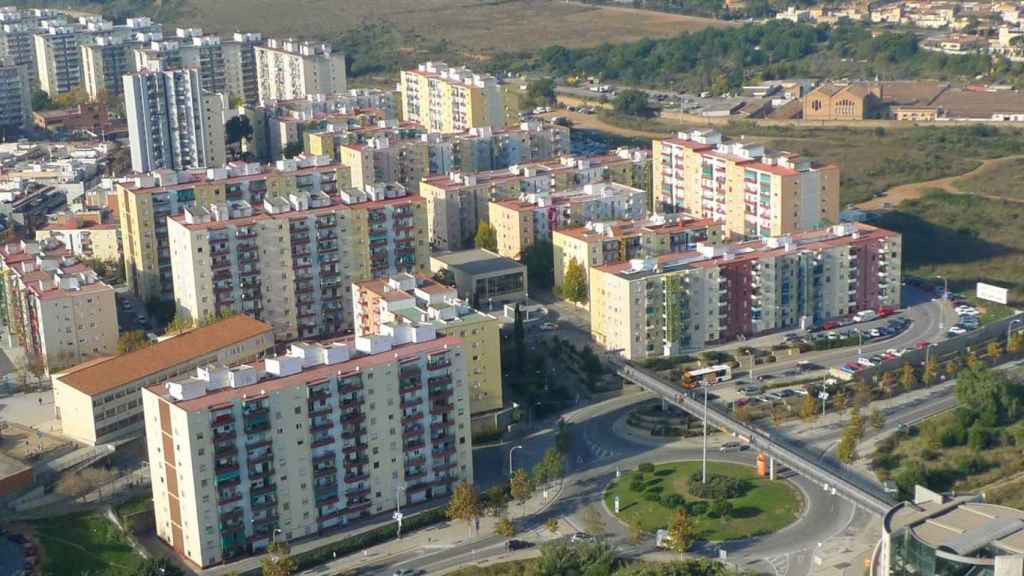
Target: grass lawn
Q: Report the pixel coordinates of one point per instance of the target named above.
(517, 568)
(85, 543)
(965, 238)
(766, 507)
(134, 506)
(1005, 180)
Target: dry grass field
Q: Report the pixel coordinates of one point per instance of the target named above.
(475, 26)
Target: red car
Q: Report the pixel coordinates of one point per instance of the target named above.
(831, 325)
(886, 311)
(923, 344)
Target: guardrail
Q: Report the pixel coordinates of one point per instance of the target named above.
(794, 456)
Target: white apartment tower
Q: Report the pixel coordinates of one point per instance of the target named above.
(58, 59)
(240, 67)
(172, 122)
(289, 70)
(15, 97)
(306, 442)
(104, 61)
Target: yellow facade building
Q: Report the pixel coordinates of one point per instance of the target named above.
(451, 99)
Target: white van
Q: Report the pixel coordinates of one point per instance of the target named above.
(865, 315)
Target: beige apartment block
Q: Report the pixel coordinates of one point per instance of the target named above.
(451, 99)
(518, 224)
(381, 161)
(681, 302)
(305, 443)
(145, 202)
(601, 243)
(405, 301)
(290, 261)
(99, 401)
(292, 70)
(86, 239)
(56, 308)
(755, 192)
(458, 202)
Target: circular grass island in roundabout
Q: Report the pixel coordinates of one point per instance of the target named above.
(736, 503)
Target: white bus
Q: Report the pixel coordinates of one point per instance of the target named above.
(718, 373)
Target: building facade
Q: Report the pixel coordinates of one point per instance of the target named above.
(104, 61)
(856, 101)
(755, 192)
(145, 203)
(307, 442)
(685, 301)
(518, 224)
(481, 277)
(99, 401)
(172, 122)
(85, 239)
(58, 59)
(289, 70)
(291, 261)
(240, 73)
(449, 99)
(603, 243)
(414, 300)
(57, 308)
(15, 97)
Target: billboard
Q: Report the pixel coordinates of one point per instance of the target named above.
(992, 293)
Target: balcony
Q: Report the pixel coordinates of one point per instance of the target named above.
(412, 432)
(413, 445)
(354, 417)
(324, 471)
(440, 395)
(326, 424)
(328, 457)
(442, 452)
(411, 418)
(320, 442)
(410, 402)
(354, 448)
(350, 386)
(439, 380)
(440, 409)
(439, 364)
(350, 463)
(355, 478)
(415, 475)
(223, 499)
(439, 426)
(353, 433)
(408, 385)
(443, 466)
(261, 490)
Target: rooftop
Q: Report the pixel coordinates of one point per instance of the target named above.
(105, 374)
(529, 170)
(626, 228)
(478, 261)
(961, 524)
(422, 300)
(168, 180)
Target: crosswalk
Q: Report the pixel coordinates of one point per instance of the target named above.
(601, 453)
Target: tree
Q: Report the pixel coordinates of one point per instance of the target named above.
(41, 100)
(278, 561)
(847, 448)
(972, 361)
(562, 558)
(720, 508)
(636, 534)
(861, 393)
(540, 92)
(931, 371)
(158, 567)
(995, 350)
(539, 259)
(856, 423)
(743, 413)
(552, 525)
(593, 521)
(1017, 340)
(236, 129)
(550, 468)
(505, 528)
(888, 383)
(809, 408)
(465, 504)
(574, 284)
(131, 341)
(180, 323)
(839, 402)
(952, 367)
(908, 377)
(496, 501)
(521, 488)
(632, 103)
(877, 419)
(486, 236)
(563, 438)
(292, 149)
(682, 532)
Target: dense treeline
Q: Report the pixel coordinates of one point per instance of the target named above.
(720, 59)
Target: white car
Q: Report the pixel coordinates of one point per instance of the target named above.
(967, 310)
(956, 331)
(548, 326)
(865, 361)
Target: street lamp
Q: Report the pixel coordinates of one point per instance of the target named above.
(704, 457)
(860, 342)
(398, 508)
(514, 448)
(942, 307)
(1009, 331)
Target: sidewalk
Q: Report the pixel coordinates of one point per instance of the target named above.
(447, 536)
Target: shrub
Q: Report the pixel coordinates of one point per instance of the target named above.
(646, 468)
(979, 437)
(673, 501)
(652, 497)
(697, 508)
(656, 489)
(717, 487)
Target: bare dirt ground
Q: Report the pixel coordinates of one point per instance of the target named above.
(898, 194)
(476, 25)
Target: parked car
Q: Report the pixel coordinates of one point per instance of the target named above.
(865, 361)
(581, 537)
(732, 447)
(886, 311)
(865, 315)
(750, 391)
(956, 331)
(799, 391)
(548, 326)
(517, 544)
(923, 344)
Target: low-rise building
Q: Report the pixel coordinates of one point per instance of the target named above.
(290, 261)
(518, 224)
(91, 118)
(55, 306)
(405, 300)
(481, 277)
(755, 192)
(307, 442)
(99, 401)
(86, 236)
(685, 301)
(602, 243)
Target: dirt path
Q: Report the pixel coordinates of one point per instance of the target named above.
(898, 194)
(594, 122)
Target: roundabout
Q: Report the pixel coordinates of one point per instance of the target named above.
(736, 503)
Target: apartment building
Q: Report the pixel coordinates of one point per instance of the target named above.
(18, 48)
(205, 54)
(56, 307)
(172, 122)
(409, 301)
(58, 59)
(518, 224)
(85, 239)
(290, 69)
(305, 443)
(383, 160)
(451, 99)
(684, 301)
(458, 202)
(100, 401)
(145, 202)
(240, 74)
(104, 61)
(290, 261)
(482, 149)
(15, 97)
(602, 243)
(756, 192)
